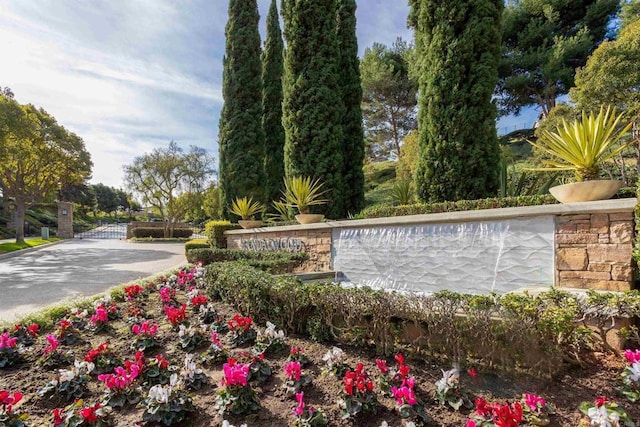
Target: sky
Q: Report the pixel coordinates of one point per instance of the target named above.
(129, 76)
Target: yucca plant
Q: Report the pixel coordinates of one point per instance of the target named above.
(283, 212)
(301, 192)
(583, 145)
(246, 208)
(401, 193)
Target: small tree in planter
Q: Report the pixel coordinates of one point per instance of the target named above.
(236, 396)
(247, 209)
(301, 193)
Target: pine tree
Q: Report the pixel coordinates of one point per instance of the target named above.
(272, 70)
(241, 137)
(458, 52)
(351, 89)
(312, 106)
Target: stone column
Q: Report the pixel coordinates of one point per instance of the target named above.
(65, 220)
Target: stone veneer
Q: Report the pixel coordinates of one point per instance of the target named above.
(594, 251)
(316, 243)
(65, 220)
(593, 240)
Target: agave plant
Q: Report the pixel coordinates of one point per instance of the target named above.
(401, 193)
(283, 212)
(246, 208)
(302, 192)
(583, 145)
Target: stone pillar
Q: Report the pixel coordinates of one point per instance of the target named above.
(65, 220)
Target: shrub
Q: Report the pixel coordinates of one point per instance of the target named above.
(272, 262)
(551, 326)
(158, 232)
(380, 211)
(215, 232)
(196, 244)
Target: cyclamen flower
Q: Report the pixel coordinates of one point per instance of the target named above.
(215, 339)
(293, 371)
(8, 400)
(405, 394)
(333, 356)
(7, 342)
(101, 315)
(58, 416)
(166, 295)
(145, 328)
(473, 373)
(359, 378)
(534, 402)
(162, 362)
(296, 350)
(121, 378)
(133, 291)
(601, 417)
(175, 315)
(300, 408)
(632, 356)
(634, 372)
(199, 300)
(53, 344)
(235, 373)
(239, 322)
(471, 423)
(95, 352)
(160, 394)
(449, 380)
(600, 401)
(89, 414)
(382, 366)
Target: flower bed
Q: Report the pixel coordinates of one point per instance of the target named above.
(166, 353)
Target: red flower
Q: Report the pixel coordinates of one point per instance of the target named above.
(199, 300)
(32, 330)
(507, 416)
(89, 414)
(472, 373)
(8, 400)
(382, 366)
(175, 315)
(400, 359)
(601, 400)
(483, 408)
(133, 291)
(163, 363)
(58, 416)
(239, 322)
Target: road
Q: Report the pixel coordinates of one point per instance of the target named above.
(78, 268)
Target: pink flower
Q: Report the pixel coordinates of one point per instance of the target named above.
(534, 402)
(471, 423)
(8, 400)
(144, 328)
(101, 315)
(293, 370)
(216, 340)
(632, 356)
(404, 395)
(235, 373)
(53, 344)
(7, 342)
(382, 366)
(300, 408)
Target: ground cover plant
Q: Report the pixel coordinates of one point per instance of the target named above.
(247, 371)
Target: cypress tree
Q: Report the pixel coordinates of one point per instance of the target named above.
(458, 46)
(272, 69)
(312, 106)
(351, 89)
(241, 138)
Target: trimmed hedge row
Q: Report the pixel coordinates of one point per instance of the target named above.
(380, 211)
(214, 230)
(272, 262)
(158, 232)
(511, 331)
(196, 244)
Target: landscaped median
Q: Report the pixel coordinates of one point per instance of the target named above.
(29, 243)
(230, 342)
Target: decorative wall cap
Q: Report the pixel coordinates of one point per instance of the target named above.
(601, 206)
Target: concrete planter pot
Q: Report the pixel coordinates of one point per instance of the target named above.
(309, 218)
(249, 223)
(585, 191)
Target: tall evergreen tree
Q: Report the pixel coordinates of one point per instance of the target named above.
(351, 89)
(272, 70)
(458, 46)
(312, 106)
(241, 137)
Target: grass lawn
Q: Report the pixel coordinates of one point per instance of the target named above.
(13, 246)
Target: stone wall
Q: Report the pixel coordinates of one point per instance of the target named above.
(65, 220)
(315, 242)
(594, 251)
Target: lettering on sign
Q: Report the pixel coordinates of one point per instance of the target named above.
(289, 245)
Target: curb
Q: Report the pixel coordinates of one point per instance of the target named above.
(27, 250)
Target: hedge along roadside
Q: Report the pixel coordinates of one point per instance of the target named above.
(509, 332)
(214, 230)
(158, 232)
(272, 262)
(196, 244)
(48, 316)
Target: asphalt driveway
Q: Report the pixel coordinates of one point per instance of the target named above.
(73, 268)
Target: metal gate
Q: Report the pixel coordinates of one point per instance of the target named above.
(105, 231)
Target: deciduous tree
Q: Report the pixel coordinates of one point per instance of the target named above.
(37, 156)
(162, 176)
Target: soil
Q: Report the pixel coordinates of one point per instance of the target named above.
(599, 377)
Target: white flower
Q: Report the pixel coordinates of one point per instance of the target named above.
(634, 372)
(160, 394)
(226, 423)
(333, 356)
(190, 369)
(449, 380)
(174, 381)
(600, 417)
(384, 424)
(190, 331)
(65, 375)
(192, 293)
(83, 368)
(270, 333)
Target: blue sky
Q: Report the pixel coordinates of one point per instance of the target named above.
(131, 75)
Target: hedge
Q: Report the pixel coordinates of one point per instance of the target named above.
(512, 331)
(273, 262)
(380, 211)
(158, 232)
(196, 244)
(214, 231)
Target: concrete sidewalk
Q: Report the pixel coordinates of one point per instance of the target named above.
(75, 268)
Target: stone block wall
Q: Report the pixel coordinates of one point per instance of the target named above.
(594, 251)
(65, 220)
(315, 242)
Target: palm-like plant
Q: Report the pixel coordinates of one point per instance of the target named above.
(246, 208)
(583, 145)
(301, 192)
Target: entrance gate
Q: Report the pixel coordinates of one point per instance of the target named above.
(106, 231)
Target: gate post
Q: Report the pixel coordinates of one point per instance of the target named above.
(65, 220)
